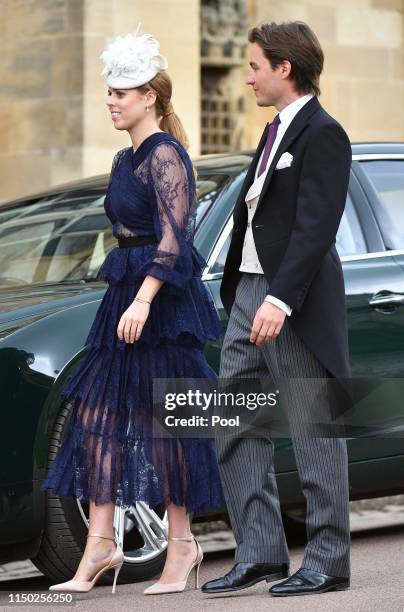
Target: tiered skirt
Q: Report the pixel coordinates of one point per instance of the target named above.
(109, 452)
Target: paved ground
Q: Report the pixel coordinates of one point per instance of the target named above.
(377, 585)
(377, 577)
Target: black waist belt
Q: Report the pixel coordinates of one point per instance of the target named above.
(134, 241)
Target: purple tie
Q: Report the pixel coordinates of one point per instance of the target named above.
(273, 128)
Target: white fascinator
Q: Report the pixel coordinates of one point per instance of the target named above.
(132, 60)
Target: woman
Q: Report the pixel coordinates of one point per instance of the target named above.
(154, 321)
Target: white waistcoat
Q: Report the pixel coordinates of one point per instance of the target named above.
(250, 262)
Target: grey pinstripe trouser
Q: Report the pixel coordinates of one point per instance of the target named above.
(322, 463)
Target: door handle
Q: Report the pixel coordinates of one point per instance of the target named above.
(387, 300)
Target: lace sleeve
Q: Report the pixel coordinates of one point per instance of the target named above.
(107, 200)
(116, 161)
(172, 188)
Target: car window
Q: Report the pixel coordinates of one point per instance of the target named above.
(208, 187)
(54, 240)
(66, 235)
(387, 178)
(350, 239)
(218, 265)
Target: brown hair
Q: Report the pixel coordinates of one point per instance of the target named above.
(295, 42)
(169, 122)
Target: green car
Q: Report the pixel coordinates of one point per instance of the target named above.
(51, 247)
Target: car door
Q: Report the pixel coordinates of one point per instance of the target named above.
(374, 279)
(369, 271)
(375, 299)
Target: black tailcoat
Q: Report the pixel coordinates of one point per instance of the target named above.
(294, 229)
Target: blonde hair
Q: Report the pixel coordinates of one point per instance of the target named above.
(169, 120)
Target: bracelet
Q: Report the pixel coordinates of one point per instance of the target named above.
(141, 300)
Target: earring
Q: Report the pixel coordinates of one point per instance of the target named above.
(147, 109)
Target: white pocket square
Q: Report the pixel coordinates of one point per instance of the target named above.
(285, 161)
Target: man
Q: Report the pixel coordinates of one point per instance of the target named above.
(283, 289)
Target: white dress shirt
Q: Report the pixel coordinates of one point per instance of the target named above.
(250, 262)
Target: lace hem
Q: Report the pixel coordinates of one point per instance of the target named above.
(109, 454)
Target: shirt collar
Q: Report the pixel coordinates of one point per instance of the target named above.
(287, 115)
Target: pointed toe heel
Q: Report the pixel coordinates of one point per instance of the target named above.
(84, 586)
(177, 587)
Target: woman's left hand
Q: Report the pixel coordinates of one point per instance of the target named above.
(132, 321)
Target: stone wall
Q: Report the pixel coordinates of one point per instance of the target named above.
(363, 80)
(41, 92)
(54, 125)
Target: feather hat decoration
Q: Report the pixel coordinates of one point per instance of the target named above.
(132, 61)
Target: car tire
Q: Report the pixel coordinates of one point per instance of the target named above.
(65, 532)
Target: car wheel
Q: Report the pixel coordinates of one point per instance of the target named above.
(64, 539)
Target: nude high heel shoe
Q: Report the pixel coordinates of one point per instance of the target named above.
(177, 587)
(83, 586)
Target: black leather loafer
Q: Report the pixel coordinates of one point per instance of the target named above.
(244, 575)
(308, 582)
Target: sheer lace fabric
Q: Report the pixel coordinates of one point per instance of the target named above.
(109, 453)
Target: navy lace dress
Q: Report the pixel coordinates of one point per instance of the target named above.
(109, 453)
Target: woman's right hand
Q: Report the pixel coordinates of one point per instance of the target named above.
(132, 322)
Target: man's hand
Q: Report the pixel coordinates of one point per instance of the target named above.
(267, 323)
